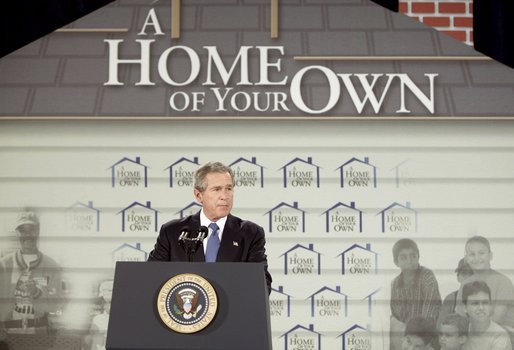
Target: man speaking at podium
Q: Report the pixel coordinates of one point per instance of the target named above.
(229, 239)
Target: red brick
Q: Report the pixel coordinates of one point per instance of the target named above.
(466, 22)
(456, 34)
(403, 7)
(471, 38)
(471, 8)
(423, 7)
(452, 7)
(437, 21)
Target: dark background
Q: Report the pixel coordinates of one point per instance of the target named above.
(23, 21)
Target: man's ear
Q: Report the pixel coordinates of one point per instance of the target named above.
(198, 195)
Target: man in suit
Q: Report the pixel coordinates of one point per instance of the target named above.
(230, 238)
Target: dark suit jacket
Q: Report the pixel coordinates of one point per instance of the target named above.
(242, 241)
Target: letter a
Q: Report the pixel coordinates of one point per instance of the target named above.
(152, 20)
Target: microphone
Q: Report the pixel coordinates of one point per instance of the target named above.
(202, 233)
(184, 234)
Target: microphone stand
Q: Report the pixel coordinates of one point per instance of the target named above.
(191, 244)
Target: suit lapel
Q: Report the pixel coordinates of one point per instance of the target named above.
(231, 241)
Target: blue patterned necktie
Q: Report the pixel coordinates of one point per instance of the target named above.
(213, 244)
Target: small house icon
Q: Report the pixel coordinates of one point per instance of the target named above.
(346, 208)
(299, 256)
(136, 205)
(327, 293)
(80, 209)
(302, 164)
(283, 205)
(369, 298)
(278, 294)
(246, 162)
(306, 334)
(356, 335)
(128, 173)
(127, 252)
(359, 260)
(358, 167)
(394, 211)
(398, 172)
(186, 175)
(191, 208)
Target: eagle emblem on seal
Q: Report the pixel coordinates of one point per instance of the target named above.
(187, 303)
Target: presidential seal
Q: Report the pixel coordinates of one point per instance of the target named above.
(187, 303)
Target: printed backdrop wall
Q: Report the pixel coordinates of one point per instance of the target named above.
(332, 196)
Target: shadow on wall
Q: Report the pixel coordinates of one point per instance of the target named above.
(388, 4)
(493, 29)
(23, 21)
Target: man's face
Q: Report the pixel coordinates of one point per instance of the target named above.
(413, 342)
(218, 196)
(478, 256)
(28, 235)
(408, 259)
(478, 307)
(449, 337)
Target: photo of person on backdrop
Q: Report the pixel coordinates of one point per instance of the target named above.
(463, 271)
(230, 238)
(419, 334)
(30, 282)
(414, 292)
(453, 331)
(484, 333)
(97, 336)
(478, 255)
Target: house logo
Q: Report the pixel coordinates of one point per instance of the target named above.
(127, 252)
(343, 218)
(399, 218)
(357, 173)
(190, 209)
(302, 338)
(371, 301)
(359, 260)
(182, 172)
(301, 173)
(279, 303)
(139, 218)
(286, 218)
(301, 260)
(247, 173)
(402, 174)
(356, 338)
(329, 303)
(82, 217)
(129, 173)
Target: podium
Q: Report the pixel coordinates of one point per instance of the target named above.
(242, 320)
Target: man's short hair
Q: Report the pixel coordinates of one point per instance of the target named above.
(473, 288)
(207, 168)
(479, 239)
(402, 244)
(422, 328)
(458, 321)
